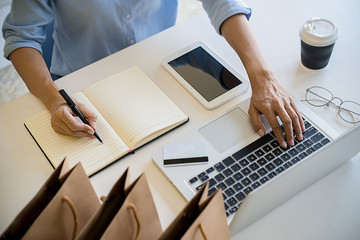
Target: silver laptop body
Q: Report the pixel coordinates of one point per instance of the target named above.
(232, 131)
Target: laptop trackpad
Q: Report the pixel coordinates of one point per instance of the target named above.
(228, 130)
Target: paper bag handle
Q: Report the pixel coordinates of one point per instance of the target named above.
(203, 231)
(133, 208)
(74, 213)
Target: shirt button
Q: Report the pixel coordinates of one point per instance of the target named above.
(128, 16)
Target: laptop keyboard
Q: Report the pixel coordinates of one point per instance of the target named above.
(250, 167)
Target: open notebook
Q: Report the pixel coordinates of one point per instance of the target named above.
(131, 111)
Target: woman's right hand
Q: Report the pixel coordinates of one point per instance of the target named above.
(65, 121)
(32, 68)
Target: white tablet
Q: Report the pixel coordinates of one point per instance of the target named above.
(205, 75)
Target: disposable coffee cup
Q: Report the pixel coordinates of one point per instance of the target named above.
(318, 37)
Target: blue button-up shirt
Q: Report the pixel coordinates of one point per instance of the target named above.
(88, 30)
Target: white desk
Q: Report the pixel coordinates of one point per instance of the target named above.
(327, 210)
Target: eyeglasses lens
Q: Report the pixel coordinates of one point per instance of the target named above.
(318, 96)
(350, 111)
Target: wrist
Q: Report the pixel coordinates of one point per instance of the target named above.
(52, 98)
(259, 74)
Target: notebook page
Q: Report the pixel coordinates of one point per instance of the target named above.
(89, 151)
(134, 106)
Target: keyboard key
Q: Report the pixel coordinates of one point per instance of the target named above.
(308, 143)
(201, 174)
(247, 190)
(245, 182)
(251, 157)
(307, 124)
(229, 181)
(244, 162)
(227, 172)
(254, 176)
(194, 179)
(240, 196)
(269, 156)
(277, 151)
(212, 182)
(267, 148)
(300, 147)
(302, 155)
(252, 146)
(219, 177)
(278, 162)
(264, 180)
(261, 161)
(317, 137)
(231, 201)
(293, 152)
(285, 157)
(229, 192)
(253, 166)
(274, 144)
(228, 161)
(236, 167)
(219, 166)
(317, 146)
(259, 153)
(198, 187)
(233, 210)
(245, 171)
(237, 176)
(262, 171)
(325, 141)
(255, 185)
(204, 178)
(310, 150)
(280, 170)
(309, 132)
(295, 160)
(271, 175)
(237, 187)
(209, 170)
(287, 165)
(270, 166)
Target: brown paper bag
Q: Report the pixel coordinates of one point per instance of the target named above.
(202, 218)
(59, 210)
(128, 212)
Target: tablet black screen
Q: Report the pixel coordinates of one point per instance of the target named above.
(204, 73)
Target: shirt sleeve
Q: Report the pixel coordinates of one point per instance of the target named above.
(25, 25)
(220, 10)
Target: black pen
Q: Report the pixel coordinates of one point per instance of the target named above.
(72, 105)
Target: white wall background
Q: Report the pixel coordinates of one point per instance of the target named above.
(4, 10)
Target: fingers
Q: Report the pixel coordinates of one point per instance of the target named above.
(283, 106)
(301, 126)
(277, 130)
(287, 124)
(89, 115)
(64, 121)
(255, 120)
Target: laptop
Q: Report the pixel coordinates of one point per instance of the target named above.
(250, 169)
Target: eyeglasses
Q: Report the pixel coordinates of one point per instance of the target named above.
(317, 96)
